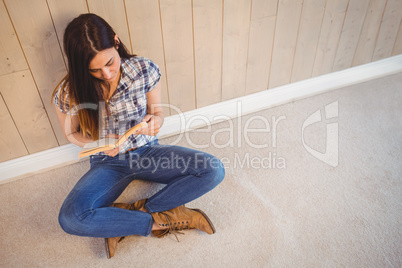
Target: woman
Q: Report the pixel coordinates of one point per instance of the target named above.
(106, 92)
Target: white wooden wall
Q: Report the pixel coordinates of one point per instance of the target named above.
(208, 50)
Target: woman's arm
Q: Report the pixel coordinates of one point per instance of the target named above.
(155, 116)
(71, 126)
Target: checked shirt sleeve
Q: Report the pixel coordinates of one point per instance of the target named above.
(61, 100)
(154, 74)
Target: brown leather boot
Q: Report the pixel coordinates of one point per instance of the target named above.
(111, 243)
(181, 218)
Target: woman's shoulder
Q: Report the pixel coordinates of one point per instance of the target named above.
(61, 89)
(139, 63)
(138, 60)
(61, 96)
(139, 67)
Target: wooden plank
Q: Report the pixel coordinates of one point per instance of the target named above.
(113, 11)
(11, 144)
(26, 108)
(307, 41)
(398, 42)
(286, 31)
(369, 34)
(236, 28)
(144, 22)
(263, 9)
(34, 27)
(329, 37)
(350, 34)
(63, 12)
(389, 30)
(11, 57)
(261, 40)
(207, 15)
(177, 29)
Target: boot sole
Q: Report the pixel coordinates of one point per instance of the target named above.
(107, 248)
(207, 218)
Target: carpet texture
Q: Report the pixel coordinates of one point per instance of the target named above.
(279, 206)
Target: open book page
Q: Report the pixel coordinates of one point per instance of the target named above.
(129, 132)
(109, 143)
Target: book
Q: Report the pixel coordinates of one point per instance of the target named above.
(109, 143)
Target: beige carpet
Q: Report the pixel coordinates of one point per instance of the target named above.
(278, 206)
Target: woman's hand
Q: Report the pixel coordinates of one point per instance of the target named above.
(115, 151)
(154, 125)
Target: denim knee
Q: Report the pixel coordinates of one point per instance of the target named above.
(70, 222)
(213, 171)
(66, 220)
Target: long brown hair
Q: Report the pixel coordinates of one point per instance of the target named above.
(84, 37)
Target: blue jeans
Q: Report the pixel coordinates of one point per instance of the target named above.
(187, 174)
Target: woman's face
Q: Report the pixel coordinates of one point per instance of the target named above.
(106, 65)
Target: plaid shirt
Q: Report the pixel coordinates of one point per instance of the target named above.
(128, 105)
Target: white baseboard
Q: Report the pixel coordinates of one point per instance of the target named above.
(67, 154)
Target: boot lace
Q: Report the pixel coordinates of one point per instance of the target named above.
(173, 227)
